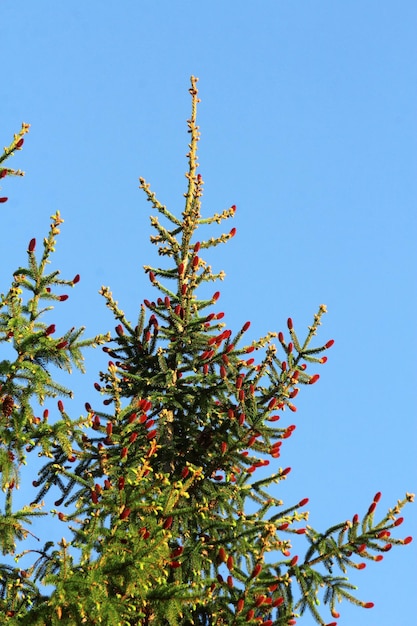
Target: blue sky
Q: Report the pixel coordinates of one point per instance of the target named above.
(308, 125)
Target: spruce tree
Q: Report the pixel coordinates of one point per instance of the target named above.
(169, 513)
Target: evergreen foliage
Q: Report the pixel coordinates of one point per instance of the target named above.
(166, 521)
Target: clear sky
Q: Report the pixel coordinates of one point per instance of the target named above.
(308, 121)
